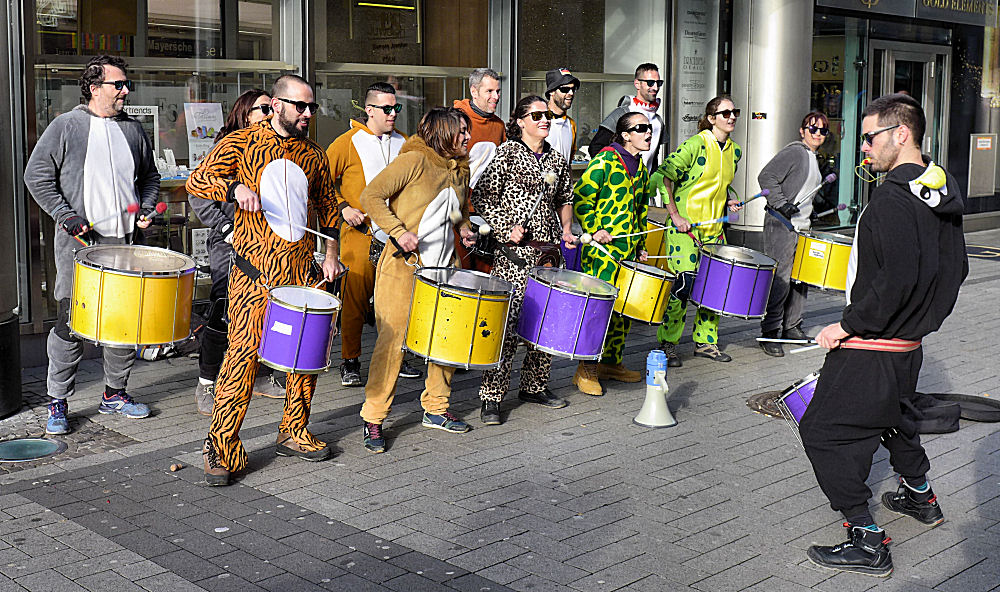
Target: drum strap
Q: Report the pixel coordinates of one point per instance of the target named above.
(247, 268)
(886, 345)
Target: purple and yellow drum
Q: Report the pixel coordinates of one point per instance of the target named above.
(566, 313)
(733, 281)
(299, 326)
(795, 399)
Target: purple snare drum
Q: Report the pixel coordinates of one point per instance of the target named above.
(571, 256)
(299, 326)
(566, 313)
(733, 281)
(796, 398)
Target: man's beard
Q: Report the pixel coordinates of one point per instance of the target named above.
(883, 162)
(290, 128)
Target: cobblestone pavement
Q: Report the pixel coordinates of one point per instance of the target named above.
(576, 499)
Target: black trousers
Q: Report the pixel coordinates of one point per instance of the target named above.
(856, 407)
(215, 339)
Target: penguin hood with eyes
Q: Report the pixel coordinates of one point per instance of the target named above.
(932, 186)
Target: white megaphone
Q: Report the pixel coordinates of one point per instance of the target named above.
(654, 412)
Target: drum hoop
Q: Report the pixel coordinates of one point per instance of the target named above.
(798, 384)
(833, 236)
(190, 264)
(749, 265)
(291, 370)
(461, 289)
(123, 345)
(318, 310)
(562, 354)
(450, 364)
(634, 268)
(533, 274)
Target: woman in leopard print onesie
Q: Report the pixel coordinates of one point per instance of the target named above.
(525, 169)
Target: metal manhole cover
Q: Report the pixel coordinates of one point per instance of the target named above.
(766, 403)
(28, 449)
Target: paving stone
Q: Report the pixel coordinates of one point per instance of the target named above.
(168, 581)
(427, 566)
(189, 566)
(108, 581)
(49, 581)
(482, 557)
(367, 567)
(246, 566)
(287, 582)
(228, 583)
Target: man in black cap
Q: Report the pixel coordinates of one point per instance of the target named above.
(560, 89)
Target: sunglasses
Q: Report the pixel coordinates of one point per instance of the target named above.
(538, 115)
(727, 113)
(867, 138)
(265, 109)
(120, 84)
(823, 131)
(301, 106)
(640, 128)
(387, 109)
(567, 89)
(652, 83)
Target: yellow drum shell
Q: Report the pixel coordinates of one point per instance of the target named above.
(656, 244)
(643, 291)
(128, 307)
(458, 325)
(821, 260)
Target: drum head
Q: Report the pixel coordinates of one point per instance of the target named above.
(302, 298)
(381, 236)
(464, 280)
(575, 282)
(132, 259)
(830, 237)
(739, 255)
(646, 268)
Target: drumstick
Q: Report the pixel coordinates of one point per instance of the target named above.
(131, 209)
(588, 239)
(828, 179)
(839, 207)
(802, 349)
(763, 193)
(665, 256)
(160, 208)
(651, 230)
(299, 226)
(776, 340)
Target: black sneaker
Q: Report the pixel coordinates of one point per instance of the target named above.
(866, 552)
(350, 372)
(795, 332)
(771, 348)
(544, 397)
(490, 413)
(374, 440)
(408, 371)
(903, 502)
(673, 360)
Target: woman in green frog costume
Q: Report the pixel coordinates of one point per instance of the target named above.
(611, 199)
(695, 183)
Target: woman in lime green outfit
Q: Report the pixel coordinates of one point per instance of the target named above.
(695, 182)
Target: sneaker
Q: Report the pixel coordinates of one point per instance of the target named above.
(350, 373)
(544, 397)
(670, 349)
(795, 332)
(904, 502)
(374, 440)
(771, 348)
(269, 387)
(445, 421)
(216, 475)
(118, 401)
(408, 371)
(712, 352)
(618, 372)
(586, 379)
(489, 414)
(866, 552)
(204, 397)
(286, 446)
(57, 424)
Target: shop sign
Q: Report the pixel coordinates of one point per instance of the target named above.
(696, 29)
(969, 12)
(893, 7)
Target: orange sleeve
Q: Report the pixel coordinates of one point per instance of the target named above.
(213, 178)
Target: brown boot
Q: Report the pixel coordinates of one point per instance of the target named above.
(216, 475)
(586, 380)
(618, 372)
(286, 446)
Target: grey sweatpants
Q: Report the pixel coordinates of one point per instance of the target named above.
(787, 299)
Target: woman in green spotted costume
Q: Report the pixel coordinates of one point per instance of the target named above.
(695, 181)
(611, 199)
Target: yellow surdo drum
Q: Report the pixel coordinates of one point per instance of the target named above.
(656, 245)
(127, 295)
(821, 260)
(458, 317)
(643, 291)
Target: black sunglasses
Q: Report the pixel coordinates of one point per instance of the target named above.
(727, 113)
(652, 83)
(813, 129)
(265, 109)
(387, 109)
(538, 115)
(567, 89)
(640, 128)
(867, 138)
(301, 106)
(120, 84)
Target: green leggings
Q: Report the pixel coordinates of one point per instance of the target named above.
(706, 323)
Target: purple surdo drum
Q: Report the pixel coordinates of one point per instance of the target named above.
(566, 313)
(571, 256)
(299, 327)
(733, 281)
(795, 399)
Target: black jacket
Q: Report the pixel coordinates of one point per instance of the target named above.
(910, 258)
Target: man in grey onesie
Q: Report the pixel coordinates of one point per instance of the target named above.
(90, 164)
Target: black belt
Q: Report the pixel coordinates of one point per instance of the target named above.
(244, 265)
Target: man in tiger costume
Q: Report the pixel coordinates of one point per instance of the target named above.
(271, 159)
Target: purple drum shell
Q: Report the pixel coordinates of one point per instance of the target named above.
(309, 339)
(571, 256)
(732, 289)
(555, 328)
(797, 397)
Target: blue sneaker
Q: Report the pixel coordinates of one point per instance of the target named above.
(446, 421)
(118, 401)
(57, 424)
